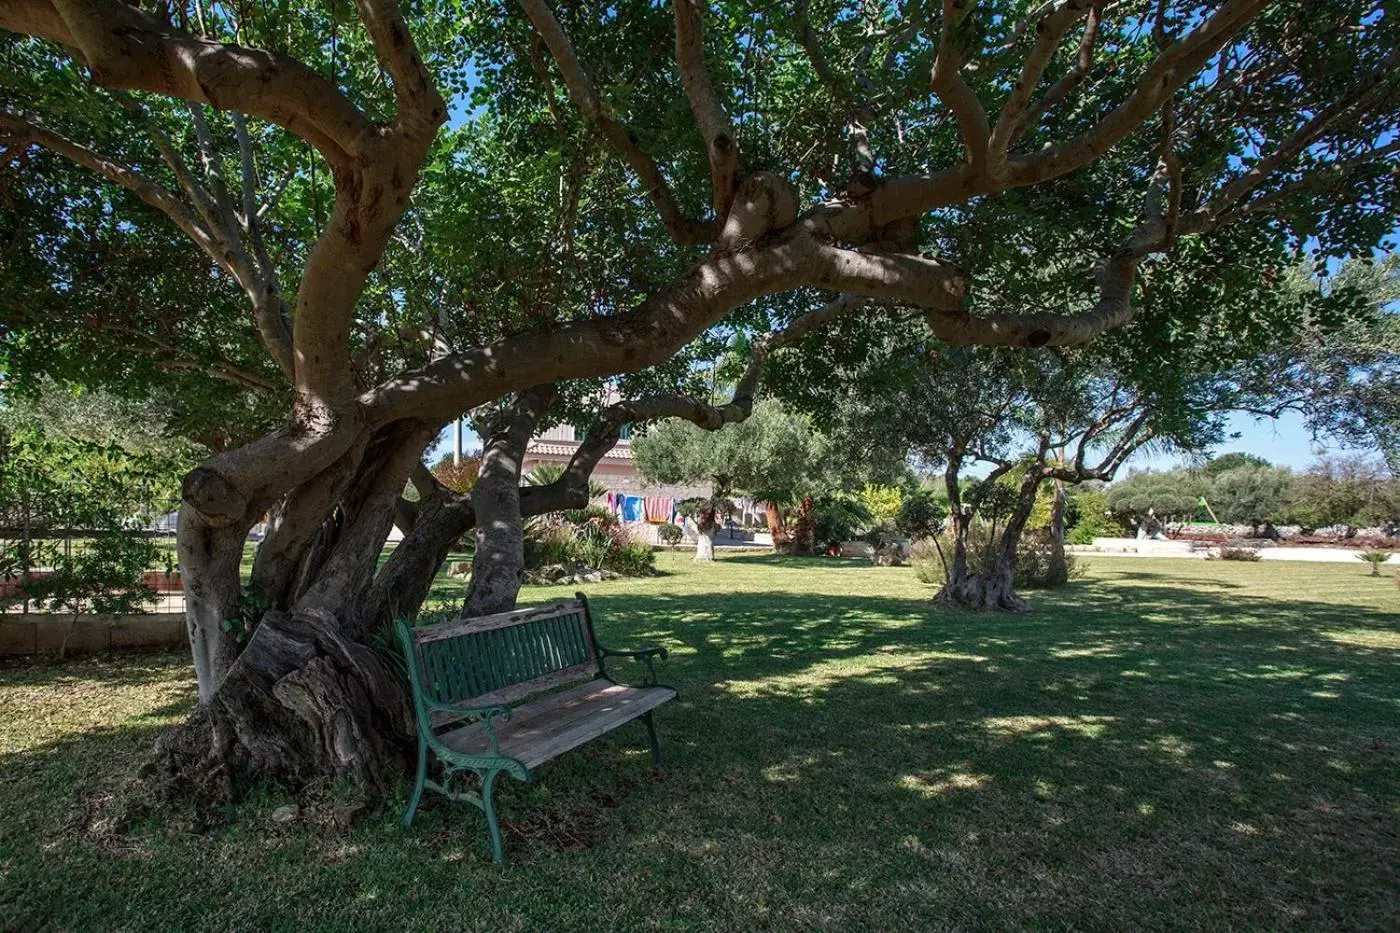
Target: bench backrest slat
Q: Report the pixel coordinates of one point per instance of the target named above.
(503, 658)
(455, 627)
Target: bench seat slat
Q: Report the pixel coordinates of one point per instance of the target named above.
(545, 729)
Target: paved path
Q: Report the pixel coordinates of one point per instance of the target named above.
(1130, 547)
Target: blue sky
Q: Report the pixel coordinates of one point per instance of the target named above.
(1283, 442)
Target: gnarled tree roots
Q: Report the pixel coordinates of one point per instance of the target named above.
(982, 593)
(303, 702)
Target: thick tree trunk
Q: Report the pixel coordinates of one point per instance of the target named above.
(308, 697)
(498, 567)
(983, 592)
(306, 700)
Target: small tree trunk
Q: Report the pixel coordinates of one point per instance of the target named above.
(407, 576)
(805, 528)
(994, 589)
(210, 560)
(777, 526)
(1059, 565)
(958, 521)
(706, 524)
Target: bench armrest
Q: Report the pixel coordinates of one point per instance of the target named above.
(644, 655)
(484, 714)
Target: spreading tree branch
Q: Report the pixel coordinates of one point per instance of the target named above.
(126, 49)
(581, 91)
(18, 131)
(952, 89)
(720, 144)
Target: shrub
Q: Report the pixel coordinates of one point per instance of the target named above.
(632, 559)
(1227, 552)
(839, 517)
(1375, 558)
(670, 535)
(460, 476)
(102, 575)
(595, 543)
(927, 562)
(1035, 566)
(590, 513)
(546, 473)
(881, 502)
(920, 515)
(1087, 517)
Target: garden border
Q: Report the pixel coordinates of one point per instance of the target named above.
(48, 633)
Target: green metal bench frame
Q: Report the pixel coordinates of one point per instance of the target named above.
(471, 670)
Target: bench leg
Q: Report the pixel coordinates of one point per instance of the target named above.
(655, 745)
(488, 807)
(418, 782)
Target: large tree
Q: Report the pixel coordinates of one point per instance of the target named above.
(821, 151)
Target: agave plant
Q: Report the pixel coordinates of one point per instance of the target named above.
(545, 473)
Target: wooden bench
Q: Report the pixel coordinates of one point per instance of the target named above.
(488, 694)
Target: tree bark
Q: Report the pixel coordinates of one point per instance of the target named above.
(958, 520)
(308, 697)
(777, 527)
(1059, 565)
(209, 566)
(441, 519)
(705, 529)
(994, 590)
(804, 530)
(304, 701)
(498, 567)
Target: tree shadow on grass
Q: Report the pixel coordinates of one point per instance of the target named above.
(1139, 741)
(1135, 756)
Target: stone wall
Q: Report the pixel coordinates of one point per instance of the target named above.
(47, 633)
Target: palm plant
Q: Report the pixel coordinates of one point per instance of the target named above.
(1375, 558)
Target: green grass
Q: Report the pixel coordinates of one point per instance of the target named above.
(1163, 745)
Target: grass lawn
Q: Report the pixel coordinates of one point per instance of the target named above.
(1164, 744)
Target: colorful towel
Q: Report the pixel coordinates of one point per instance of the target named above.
(658, 509)
(633, 509)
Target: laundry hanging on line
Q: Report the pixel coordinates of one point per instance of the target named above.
(633, 509)
(659, 509)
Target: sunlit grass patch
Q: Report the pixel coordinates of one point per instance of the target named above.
(1162, 745)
